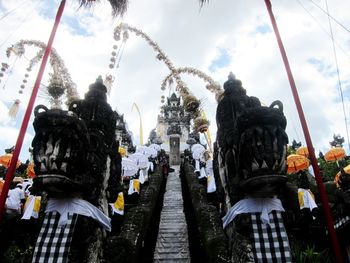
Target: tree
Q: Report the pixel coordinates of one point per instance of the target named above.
(119, 7)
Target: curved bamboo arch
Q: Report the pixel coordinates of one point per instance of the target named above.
(58, 66)
(191, 103)
(212, 85)
(125, 28)
(122, 31)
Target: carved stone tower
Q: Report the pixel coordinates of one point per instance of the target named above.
(173, 128)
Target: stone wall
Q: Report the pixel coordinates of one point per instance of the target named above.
(137, 238)
(208, 242)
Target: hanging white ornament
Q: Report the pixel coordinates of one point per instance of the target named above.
(14, 109)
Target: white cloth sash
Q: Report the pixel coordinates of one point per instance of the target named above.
(202, 173)
(151, 166)
(142, 176)
(211, 186)
(254, 205)
(77, 206)
(29, 210)
(196, 168)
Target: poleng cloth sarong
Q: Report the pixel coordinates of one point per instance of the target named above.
(53, 243)
(270, 241)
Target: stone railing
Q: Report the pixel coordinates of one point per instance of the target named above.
(138, 234)
(208, 242)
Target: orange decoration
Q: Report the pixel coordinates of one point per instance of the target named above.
(30, 170)
(304, 151)
(335, 154)
(6, 159)
(297, 163)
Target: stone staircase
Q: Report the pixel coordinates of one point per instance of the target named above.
(172, 241)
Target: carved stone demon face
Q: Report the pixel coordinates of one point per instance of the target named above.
(252, 142)
(76, 152)
(60, 149)
(262, 150)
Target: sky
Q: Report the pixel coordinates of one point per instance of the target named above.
(218, 38)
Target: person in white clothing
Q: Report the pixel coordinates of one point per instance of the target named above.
(27, 183)
(15, 199)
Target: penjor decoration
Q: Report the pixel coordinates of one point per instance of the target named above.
(201, 123)
(60, 80)
(118, 7)
(212, 85)
(121, 33)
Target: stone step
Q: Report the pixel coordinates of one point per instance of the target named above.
(167, 259)
(176, 254)
(176, 223)
(172, 240)
(171, 217)
(163, 241)
(178, 245)
(171, 230)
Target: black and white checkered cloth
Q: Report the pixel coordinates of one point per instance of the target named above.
(53, 243)
(270, 242)
(341, 222)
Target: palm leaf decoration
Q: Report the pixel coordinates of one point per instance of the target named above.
(118, 6)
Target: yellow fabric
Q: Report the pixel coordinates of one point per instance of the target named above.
(136, 185)
(1, 185)
(37, 203)
(122, 151)
(119, 203)
(301, 197)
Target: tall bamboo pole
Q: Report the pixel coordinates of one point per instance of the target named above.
(12, 168)
(207, 134)
(318, 177)
(138, 110)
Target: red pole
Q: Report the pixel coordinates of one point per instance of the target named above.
(318, 177)
(12, 168)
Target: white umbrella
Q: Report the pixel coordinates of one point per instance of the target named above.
(155, 146)
(145, 150)
(129, 167)
(140, 160)
(154, 153)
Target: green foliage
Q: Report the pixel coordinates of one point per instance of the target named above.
(329, 169)
(16, 255)
(290, 150)
(308, 254)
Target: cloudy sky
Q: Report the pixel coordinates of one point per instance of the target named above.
(220, 37)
